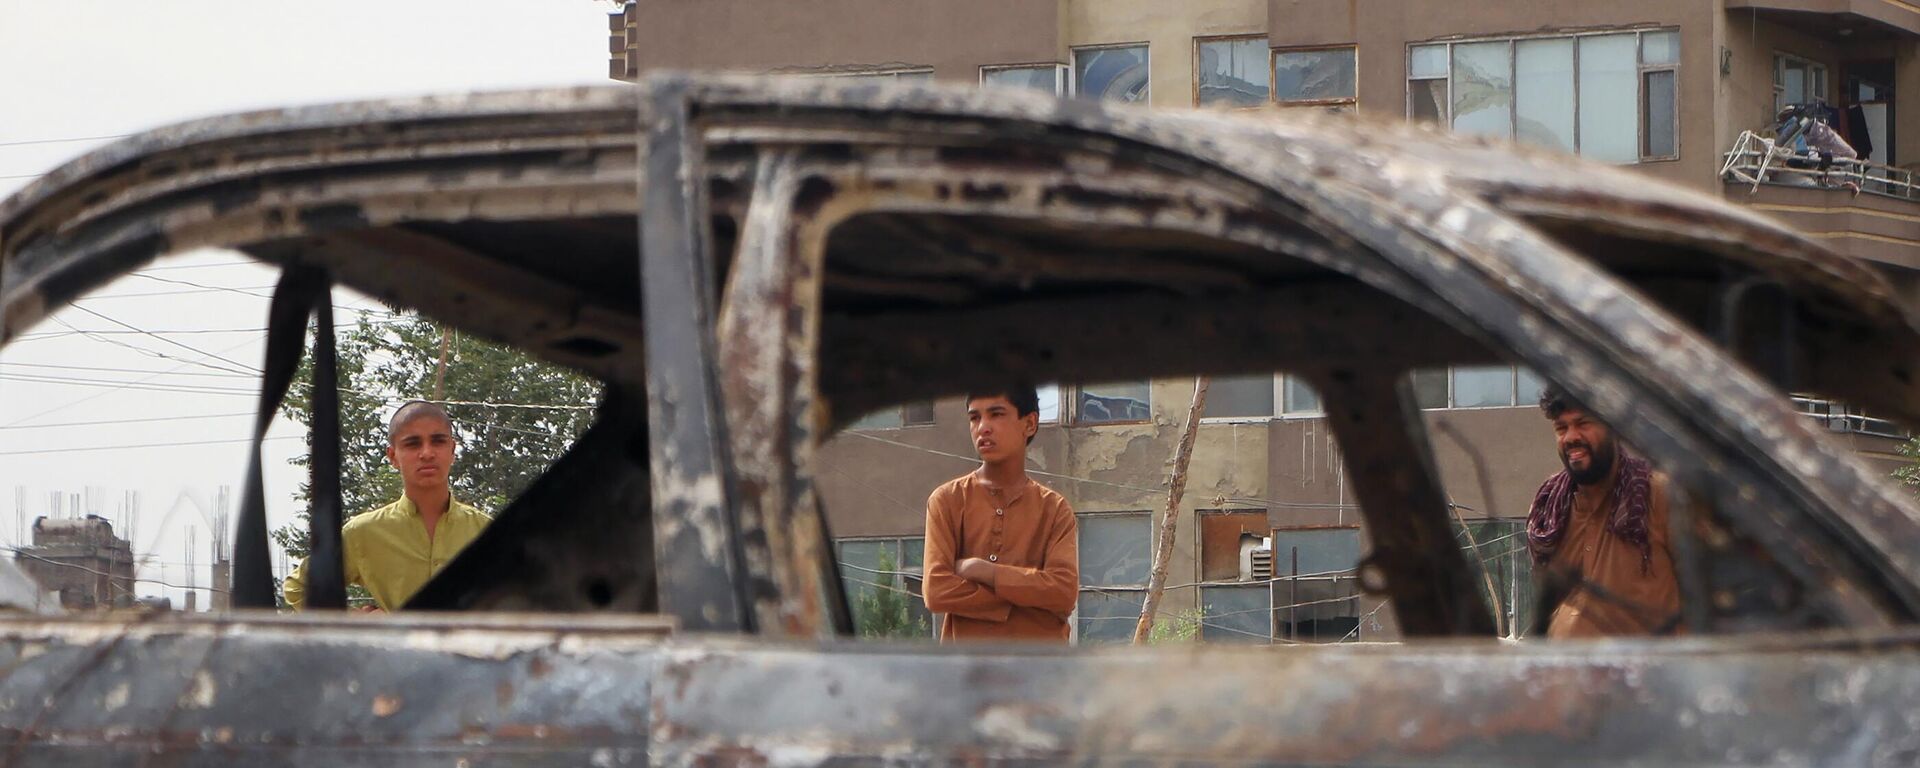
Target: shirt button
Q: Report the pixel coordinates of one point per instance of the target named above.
(1000, 512)
(993, 558)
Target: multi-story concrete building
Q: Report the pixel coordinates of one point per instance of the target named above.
(1666, 87)
(82, 560)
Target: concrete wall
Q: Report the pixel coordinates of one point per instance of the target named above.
(954, 39)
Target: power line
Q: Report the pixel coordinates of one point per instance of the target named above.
(242, 366)
(126, 385)
(39, 451)
(131, 421)
(139, 349)
(18, 552)
(96, 396)
(103, 369)
(62, 141)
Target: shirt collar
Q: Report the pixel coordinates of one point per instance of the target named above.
(413, 510)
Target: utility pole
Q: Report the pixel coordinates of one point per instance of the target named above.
(1182, 456)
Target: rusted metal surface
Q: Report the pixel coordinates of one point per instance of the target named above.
(808, 249)
(509, 689)
(1816, 701)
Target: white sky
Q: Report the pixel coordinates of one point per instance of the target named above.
(78, 70)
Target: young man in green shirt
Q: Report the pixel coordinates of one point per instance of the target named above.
(392, 551)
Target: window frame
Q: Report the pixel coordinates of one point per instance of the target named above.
(1279, 392)
(1516, 397)
(1082, 588)
(1202, 40)
(1641, 70)
(1273, 71)
(1075, 419)
(1780, 60)
(1641, 73)
(1061, 74)
(1073, 67)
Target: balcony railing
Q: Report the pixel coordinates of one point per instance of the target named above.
(1756, 160)
(1839, 417)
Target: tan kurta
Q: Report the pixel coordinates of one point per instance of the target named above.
(1646, 599)
(1033, 538)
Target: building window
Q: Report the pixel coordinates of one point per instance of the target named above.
(1049, 403)
(1300, 398)
(1114, 559)
(1323, 76)
(1316, 587)
(894, 417)
(1610, 97)
(1797, 81)
(1236, 613)
(1114, 402)
(1498, 386)
(1230, 72)
(1228, 538)
(882, 579)
(1115, 73)
(1242, 397)
(1483, 387)
(1050, 78)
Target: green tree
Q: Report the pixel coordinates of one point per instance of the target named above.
(1909, 474)
(887, 610)
(500, 449)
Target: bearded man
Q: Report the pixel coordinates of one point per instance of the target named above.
(1599, 529)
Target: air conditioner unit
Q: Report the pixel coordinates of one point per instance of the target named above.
(1256, 557)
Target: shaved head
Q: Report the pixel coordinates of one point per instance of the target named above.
(413, 411)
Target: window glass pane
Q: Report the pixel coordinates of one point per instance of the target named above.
(1114, 550)
(1109, 616)
(1240, 396)
(1817, 82)
(1301, 396)
(1035, 78)
(1235, 614)
(1119, 74)
(885, 418)
(1609, 77)
(1658, 110)
(1118, 401)
(1233, 72)
(1049, 403)
(1661, 47)
(858, 555)
(915, 414)
(1543, 93)
(1794, 74)
(1427, 61)
(1482, 387)
(1530, 385)
(1483, 88)
(1429, 100)
(1430, 387)
(1321, 551)
(1313, 75)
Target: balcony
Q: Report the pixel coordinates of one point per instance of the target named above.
(1868, 19)
(1876, 218)
(1846, 419)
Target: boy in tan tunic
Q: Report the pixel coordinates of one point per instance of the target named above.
(1002, 551)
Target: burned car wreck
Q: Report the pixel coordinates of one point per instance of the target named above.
(748, 264)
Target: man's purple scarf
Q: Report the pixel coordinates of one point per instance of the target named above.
(1632, 498)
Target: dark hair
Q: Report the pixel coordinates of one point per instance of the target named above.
(414, 409)
(1555, 401)
(1025, 399)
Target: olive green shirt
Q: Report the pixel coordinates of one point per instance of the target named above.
(389, 554)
